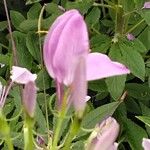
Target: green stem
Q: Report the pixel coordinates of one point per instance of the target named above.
(75, 126)
(60, 120)
(28, 133)
(103, 5)
(119, 21)
(58, 128)
(5, 131)
(135, 26)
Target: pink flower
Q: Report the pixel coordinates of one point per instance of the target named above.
(130, 37)
(146, 144)
(22, 75)
(66, 47)
(104, 136)
(146, 5)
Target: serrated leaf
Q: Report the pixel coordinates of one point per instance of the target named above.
(97, 115)
(32, 42)
(116, 85)
(16, 18)
(34, 11)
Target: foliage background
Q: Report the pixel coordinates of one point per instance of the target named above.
(107, 35)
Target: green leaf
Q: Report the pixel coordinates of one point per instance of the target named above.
(99, 86)
(43, 75)
(81, 6)
(138, 91)
(3, 25)
(144, 119)
(29, 25)
(116, 85)
(93, 16)
(40, 118)
(32, 42)
(145, 13)
(139, 46)
(134, 134)
(52, 8)
(4, 59)
(98, 114)
(24, 57)
(34, 11)
(16, 19)
(133, 60)
(145, 37)
(100, 43)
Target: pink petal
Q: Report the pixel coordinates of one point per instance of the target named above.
(79, 87)
(73, 43)
(146, 144)
(104, 136)
(100, 66)
(52, 38)
(29, 98)
(130, 37)
(22, 75)
(146, 5)
(114, 146)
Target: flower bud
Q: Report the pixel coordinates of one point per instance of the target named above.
(104, 136)
(29, 98)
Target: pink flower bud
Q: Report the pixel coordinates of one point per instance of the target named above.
(130, 37)
(146, 144)
(29, 98)
(104, 136)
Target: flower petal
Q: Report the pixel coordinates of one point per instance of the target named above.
(104, 136)
(22, 75)
(146, 5)
(52, 38)
(73, 43)
(146, 144)
(29, 98)
(100, 66)
(79, 87)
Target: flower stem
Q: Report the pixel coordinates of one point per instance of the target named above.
(60, 120)
(28, 133)
(75, 126)
(103, 5)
